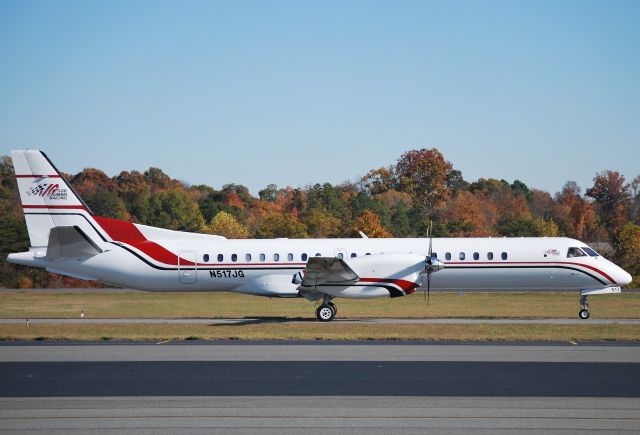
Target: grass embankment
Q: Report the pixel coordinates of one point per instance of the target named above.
(230, 305)
(275, 312)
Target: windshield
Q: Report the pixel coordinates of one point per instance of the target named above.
(575, 252)
(590, 251)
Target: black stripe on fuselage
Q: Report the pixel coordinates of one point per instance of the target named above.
(497, 266)
(508, 266)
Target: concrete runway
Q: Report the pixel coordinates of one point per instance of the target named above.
(310, 387)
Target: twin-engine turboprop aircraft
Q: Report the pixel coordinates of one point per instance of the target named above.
(67, 238)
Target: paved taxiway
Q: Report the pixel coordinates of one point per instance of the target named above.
(344, 387)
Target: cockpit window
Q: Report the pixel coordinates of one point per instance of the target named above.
(590, 251)
(575, 252)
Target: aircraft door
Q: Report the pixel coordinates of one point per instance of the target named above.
(187, 267)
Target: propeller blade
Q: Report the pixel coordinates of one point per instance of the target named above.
(430, 233)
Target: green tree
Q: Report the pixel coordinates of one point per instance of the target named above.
(627, 247)
(269, 193)
(611, 196)
(321, 224)
(400, 222)
(546, 228)
(225, 224)
(277, 224)
(174, 209)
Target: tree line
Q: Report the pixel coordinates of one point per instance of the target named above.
(399, 200)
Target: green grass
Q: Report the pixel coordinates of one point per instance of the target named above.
(229, 305)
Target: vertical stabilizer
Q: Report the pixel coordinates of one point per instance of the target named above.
(48, 201)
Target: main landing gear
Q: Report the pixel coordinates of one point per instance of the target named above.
(584, 312)
(327, 310)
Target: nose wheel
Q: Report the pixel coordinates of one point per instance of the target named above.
(584, 312)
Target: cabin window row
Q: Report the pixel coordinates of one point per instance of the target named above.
(275, 257)
(304, 257)
(462, 256)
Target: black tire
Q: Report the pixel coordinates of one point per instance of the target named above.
(325, 313)
(583, 314)
(334, 308)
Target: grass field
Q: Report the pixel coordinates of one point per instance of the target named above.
(227, 305)
(230, 305)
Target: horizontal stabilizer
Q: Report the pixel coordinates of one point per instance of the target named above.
(70, 242)
(328, 271)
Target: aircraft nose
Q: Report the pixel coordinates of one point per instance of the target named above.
(624, 278)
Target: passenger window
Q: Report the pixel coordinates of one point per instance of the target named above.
(575, 252)
(434, 255)
(353, 254)
(476, 256)
(489, 255)
(447, 256)
(368, 253)
(289, 257)
(303, 257)
(234, 257)
(318, 254)
(340, 256)
(461, 256)
(263, 257)
(247, 257)
(220, 258)
(205, 258)
(504, 255)
(276, 257)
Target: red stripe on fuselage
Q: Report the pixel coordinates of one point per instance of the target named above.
(408, 287)
(128, 233)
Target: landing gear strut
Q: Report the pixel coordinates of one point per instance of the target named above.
(584, 312)
(327, 310)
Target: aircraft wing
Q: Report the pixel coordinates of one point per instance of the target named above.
(328, 270)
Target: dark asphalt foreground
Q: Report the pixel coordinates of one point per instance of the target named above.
(273, 388)
(326, 378)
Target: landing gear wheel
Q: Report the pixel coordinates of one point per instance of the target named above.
(325, 313)
(583, 314)
(334, 308)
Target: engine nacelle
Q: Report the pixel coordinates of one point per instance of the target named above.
(379, 275)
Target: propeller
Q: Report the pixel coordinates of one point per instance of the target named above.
(432, 264)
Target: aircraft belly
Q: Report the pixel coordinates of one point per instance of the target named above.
(354, 292)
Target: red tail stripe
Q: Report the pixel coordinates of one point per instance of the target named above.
(128, 233)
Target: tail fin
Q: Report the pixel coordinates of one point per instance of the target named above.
(48, 200)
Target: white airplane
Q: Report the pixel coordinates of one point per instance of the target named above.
(67, 238)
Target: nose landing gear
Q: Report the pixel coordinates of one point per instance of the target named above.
(584, 312)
